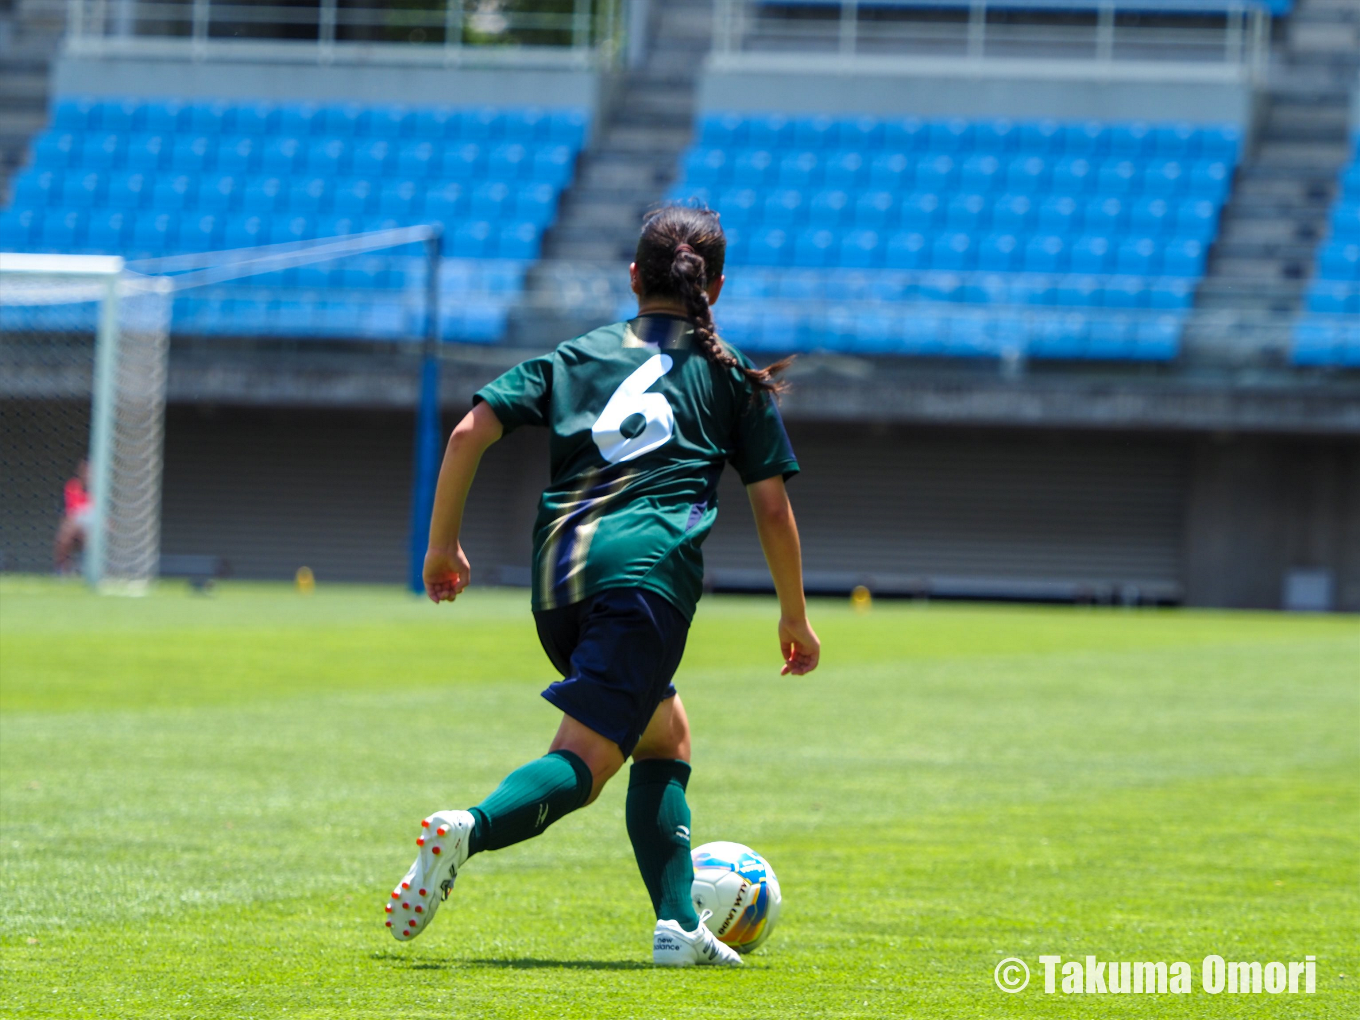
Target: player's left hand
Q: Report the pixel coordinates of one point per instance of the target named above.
(447, 572)
(801, 647)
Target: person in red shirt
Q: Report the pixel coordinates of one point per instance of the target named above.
(75, 521)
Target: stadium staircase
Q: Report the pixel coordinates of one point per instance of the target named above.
(1278, 210)
(633, 160)
(30, 33)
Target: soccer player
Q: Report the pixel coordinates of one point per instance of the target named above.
(644, 415)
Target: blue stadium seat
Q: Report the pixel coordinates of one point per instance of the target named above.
(1197, 218)
(829, 207)
(308, 196)
(174, 192)
(149, 152)
(108, 232)
(1073, 175)
(1117, 177)
(1176, 141)
(75, 114)
(510, 161)
(1346, 220)
(418, 159)
(740, 207)
(337, 225)
(1042, 137)
(1090, 254)
(325, 156)
(951, 136)
(1220, 143)
(1013, 213)
(352, 197)
(299, 120)
(938, 174)
(706, 168)
(1183, 257)
(400, 199)
(40, 189)
(1210, 180)
(218, 193)
(371, 159)
(199, 233)
(554, 164)
(771, 132)
(1079, 290)
(567, 127)
(534, 203)
(470, 239)
(809, 133)
(860, 134)
(906, 134)
(920, 211)
(845, 168)
(1059, 214)
(1157, 339)
(875, 210)
(1046, 253)
(1090, 139)
(862, 249)
(894, 171)
(953, 251)
(291, 228)
(281, 155)
(1131, 141)
(263, 195)
(1332, 297)
(1125, 292)
(1108, 215)
(164, 117)
(815, 247)
(752, 168)
(967, 213)
(192, 154)
(981, 173)
(430, 123)
(1028, 174)
(255, 119)
(477, 125)
(82, 190)
(238, 155)
(491, 201)
(784, 208)
(1340, 260)
(101, 151)
(1139, 256)
(119, 116)
(128, 189)
(799, 170)
(152, 231)
(998, 253)
(1153, 217)
(54, 151)
(1171, 294)
(996, 136)
(341, 120)
(769, 247)
(1165, 178)
(206, 118)
(728, 130)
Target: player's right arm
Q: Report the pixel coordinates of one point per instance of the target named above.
(779, 540)
(447, 571)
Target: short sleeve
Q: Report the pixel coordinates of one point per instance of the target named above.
(761, 444)
(522, 395)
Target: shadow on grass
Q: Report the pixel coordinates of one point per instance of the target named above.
(522, 963)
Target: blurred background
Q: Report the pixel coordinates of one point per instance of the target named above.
(1075, 284)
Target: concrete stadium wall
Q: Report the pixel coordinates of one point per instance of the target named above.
(1067, 90)
(370, 83)
(935, 511)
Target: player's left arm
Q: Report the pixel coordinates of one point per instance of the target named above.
(447, 571)
(783, 553)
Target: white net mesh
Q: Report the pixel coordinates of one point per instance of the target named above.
(56, 456)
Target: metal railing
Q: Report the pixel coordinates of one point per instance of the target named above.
(423, 32)
(1235, 32)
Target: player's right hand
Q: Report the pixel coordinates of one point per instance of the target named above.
(447, 573)
(800, 646)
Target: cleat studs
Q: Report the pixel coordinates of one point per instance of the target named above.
(434, 850)
(406, 885)
(405, 906)
(425, 824)
(395, 896)
(422, 892)
(389, 924)
(420, 841)
(388, 908)
(419, 909)
(443, 830)
(412, 922)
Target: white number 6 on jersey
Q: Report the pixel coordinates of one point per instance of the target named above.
(653, 421)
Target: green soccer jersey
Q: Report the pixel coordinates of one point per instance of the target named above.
(642, 425)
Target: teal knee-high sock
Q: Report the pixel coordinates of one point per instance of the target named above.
(529, 800)
(658, 825)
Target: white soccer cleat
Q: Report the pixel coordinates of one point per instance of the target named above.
(672, 946)
(443, 843)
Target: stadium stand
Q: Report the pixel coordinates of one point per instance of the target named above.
(146, 178)
(1049, 239)
(1328, 334)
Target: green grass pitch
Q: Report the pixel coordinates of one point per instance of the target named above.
(206, 800)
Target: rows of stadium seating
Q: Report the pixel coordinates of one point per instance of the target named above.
(1190, 8)
(992, 213)
(1329, 333)
(146, 178)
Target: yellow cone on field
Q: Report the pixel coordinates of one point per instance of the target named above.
(861, 599)
(305, 580)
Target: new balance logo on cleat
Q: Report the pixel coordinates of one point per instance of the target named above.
(542, 816)
(683, 832)
(672, 946)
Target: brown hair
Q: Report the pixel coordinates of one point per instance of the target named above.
(680, 251)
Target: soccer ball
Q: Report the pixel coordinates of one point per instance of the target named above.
(739, 887)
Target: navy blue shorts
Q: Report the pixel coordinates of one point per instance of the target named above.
(617, 652)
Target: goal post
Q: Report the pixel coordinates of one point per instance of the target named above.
(85, 334)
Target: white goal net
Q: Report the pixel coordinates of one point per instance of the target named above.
(83, 355)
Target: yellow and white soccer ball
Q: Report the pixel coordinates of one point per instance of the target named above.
(739, 887)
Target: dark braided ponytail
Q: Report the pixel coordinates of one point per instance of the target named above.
(680, 251)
